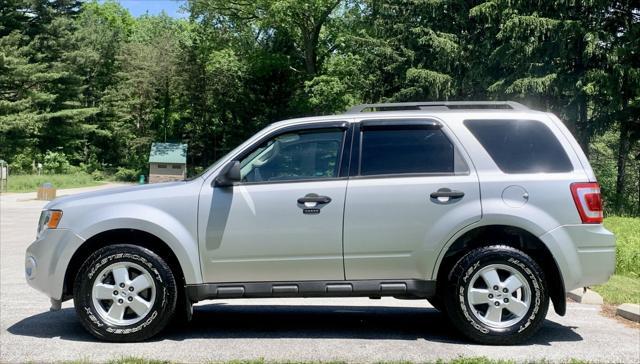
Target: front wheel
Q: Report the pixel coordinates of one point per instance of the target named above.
(497, 295)
(124, 293)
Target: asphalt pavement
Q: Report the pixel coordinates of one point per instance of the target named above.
(341, 329)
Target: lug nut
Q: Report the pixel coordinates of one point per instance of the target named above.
(120, 301)
(121, 285)
(505, 290)
(130, 298)
(495, 288)
(130, 289)
(506, 300)
(115, 293)
(497, 303)
(490, 295)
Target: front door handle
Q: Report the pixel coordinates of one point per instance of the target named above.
(313, 198)
(447, 193)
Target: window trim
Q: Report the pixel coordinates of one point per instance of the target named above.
(399, 124)
(342, 158)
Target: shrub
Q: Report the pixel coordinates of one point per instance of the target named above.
(56, 163)
(126, 174)
(22, 163)
(97, 175)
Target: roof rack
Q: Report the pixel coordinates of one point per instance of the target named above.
(438, 105)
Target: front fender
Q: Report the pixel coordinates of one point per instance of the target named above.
(166, 227)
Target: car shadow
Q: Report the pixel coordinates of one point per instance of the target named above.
(289, 321)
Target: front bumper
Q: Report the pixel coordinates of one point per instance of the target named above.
(585, 253)
(47, 259)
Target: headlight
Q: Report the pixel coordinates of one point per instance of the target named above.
(49, 219)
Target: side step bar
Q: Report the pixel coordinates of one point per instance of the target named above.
(412, 288)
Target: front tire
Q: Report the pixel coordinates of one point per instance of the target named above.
(124, 293)
(497, 295)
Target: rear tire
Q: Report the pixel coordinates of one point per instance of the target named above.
(497, 295)
(124, 293)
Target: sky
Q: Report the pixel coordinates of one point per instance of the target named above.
(154, 7)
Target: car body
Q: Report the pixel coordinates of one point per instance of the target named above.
(352, 220)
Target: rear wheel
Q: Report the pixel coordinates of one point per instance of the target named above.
(124, 293)
(497, 295)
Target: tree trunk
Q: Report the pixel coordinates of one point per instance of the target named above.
(583, 122)
(310, 55)
(623, 151)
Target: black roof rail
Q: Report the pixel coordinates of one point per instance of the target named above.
(438, 105)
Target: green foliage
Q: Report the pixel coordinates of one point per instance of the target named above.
(22, 163)
(627, 231)
(55, 163)
(620, 289)
(126, 174)
(88, 80)
(27, 183)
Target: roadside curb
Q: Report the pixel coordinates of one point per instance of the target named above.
(586, 296)
(629, 311)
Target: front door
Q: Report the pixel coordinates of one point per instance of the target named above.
(283, 222)
(410, 190)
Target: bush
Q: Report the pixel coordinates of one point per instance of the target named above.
(97, 175)
(56, 163)
(126, 174)
(22, 163)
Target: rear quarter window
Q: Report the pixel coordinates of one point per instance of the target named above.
(521, 146)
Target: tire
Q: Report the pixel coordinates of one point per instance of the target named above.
(509, 316)
(134, 311)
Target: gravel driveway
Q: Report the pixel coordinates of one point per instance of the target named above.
(346, 329)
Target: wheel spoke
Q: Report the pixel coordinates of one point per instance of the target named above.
(491, 278)
(494, 314)
(103, 291)
(478, 296)
(513, 283)
(518, 307)
(140, 306)
(116, 312)
(140, 283)
(121, 275)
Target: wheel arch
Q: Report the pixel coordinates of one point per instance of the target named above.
(119, 236)
(509, 235)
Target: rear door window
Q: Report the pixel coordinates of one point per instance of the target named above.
(408, 149)
(521, 146)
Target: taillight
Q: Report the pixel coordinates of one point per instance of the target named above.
(588, 201)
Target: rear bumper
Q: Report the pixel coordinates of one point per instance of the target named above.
(585, 253)
(47, 259)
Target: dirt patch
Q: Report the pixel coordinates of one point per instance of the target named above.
(610, 311)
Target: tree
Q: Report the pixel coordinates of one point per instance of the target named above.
(302, 19)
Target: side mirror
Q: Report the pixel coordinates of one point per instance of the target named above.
(228, 175)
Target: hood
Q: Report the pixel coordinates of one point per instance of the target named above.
(117, 193)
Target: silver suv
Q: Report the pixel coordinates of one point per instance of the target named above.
(486, 209)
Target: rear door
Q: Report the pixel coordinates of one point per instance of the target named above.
(410, 189)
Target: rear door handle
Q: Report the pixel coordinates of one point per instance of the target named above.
(312, 197)
(445, 192)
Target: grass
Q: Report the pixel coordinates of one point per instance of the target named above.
(620, 289)
(29, 183)
(624, 286)
(627, 230)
